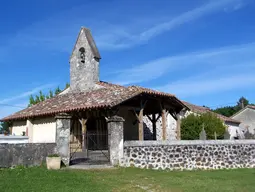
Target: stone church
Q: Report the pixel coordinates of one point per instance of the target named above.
(77, 119)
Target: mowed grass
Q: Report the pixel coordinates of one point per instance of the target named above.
(125, 179)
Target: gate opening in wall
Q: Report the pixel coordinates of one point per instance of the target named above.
(95, 150)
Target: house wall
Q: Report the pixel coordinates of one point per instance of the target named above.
(18, 127)
(44, 130)
(247, 118)
(234, 130)
(41, 130)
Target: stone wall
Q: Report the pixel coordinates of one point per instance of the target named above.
(189, 155)
(27, 154)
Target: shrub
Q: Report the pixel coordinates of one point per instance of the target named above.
(192, 125)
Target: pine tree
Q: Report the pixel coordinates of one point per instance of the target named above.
(41, 96)
(67, 85)
(51, 94)
(57, 91)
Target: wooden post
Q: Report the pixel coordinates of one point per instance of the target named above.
(154, 126)
(141, 124)
(178, 128)
(84, 132)
(163, 124)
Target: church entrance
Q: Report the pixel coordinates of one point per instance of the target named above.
(95, 150)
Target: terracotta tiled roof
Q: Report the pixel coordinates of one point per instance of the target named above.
(251, 106)
(108, 96)
(200, 109)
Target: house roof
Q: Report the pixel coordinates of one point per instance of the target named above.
(200, 109)
(109, 95)
(246, 107)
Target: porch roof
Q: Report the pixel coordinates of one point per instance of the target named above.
(107, 96)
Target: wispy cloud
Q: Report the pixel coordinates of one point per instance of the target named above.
(227, 56)
(10, 109)
(57, 32)
(26, 94)
(123, 36)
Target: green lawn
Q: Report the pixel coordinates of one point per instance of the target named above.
(130, 179)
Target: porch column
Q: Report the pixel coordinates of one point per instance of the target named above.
(115, 138)
(154, 126)
(63, 126)
(164, 124)
(178, 126)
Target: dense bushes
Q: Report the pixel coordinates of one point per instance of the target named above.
(192, 125)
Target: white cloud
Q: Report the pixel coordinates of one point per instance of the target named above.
(26, 94)
(10, 109)
(226, 56)
(118, 37)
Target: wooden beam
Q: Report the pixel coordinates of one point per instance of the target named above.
(154, 126)
(159, 115)
(149, 118)
(141, 125)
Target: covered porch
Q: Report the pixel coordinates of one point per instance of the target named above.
(90, 130)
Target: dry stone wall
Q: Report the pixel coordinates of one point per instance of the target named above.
(189, 155)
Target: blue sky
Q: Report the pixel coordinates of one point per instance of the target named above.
(201, 50)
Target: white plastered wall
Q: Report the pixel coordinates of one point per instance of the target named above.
(44, 130)
(18, 127)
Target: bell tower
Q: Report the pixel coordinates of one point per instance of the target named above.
(84, 63)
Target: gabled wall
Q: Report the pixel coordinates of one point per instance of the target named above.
(247, 118)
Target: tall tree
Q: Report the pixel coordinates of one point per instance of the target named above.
(42, 97)
(231, 110)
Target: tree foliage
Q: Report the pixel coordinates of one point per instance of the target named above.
(192, 125)
(231, 110)
(34, 99)
(4, 127)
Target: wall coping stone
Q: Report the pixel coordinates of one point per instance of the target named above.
(14, 137)
(188, 142)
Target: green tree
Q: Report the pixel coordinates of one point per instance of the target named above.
(57, 91)
(4, 127)
(51, 94)
(231, 110)
(41, 96)
(192, 125)
(67, 85)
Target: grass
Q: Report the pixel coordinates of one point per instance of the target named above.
(125, 179)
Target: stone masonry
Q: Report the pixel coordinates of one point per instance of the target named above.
(63, 125)
(84, 73)
(189, 155)
(26, 154)
(171, 129)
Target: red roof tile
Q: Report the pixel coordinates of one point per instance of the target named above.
(200, 109)
(108, 96)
